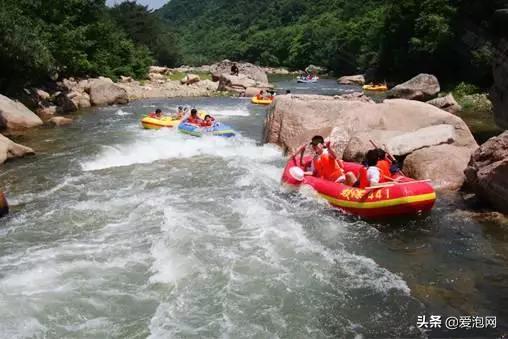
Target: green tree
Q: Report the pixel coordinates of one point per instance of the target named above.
(71, 38)
(147, 29)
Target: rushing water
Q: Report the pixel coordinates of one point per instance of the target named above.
(121, 232)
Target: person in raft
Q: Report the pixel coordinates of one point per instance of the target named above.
(180, 112)
(261, 95)
(208, 121)
(156, 115)
(373, 173)
(193, 118)
(324, 164)
(234, 69)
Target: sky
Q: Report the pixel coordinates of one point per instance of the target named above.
(152, 4)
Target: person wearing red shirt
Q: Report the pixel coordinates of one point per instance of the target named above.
(208, 121)
(193, 118)
(155, 115)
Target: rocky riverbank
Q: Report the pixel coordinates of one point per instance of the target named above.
(52, 104)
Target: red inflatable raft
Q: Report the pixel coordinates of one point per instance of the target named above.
(406, 197)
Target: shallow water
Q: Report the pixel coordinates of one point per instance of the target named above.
(121, 232)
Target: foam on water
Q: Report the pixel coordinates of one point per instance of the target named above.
(247, 270)
(122, 113)
(220, 111)
(169, 144)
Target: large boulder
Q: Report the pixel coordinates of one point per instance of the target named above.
(82, 100)
(352, 80)
(46, 113)
(41, 94)
(422, 87)
(443, 164)
(65, 102)
(9, 149)
(409, 142)
(487, 172)
(407, 127)
(15, 115)
(355, 96)
(235, 83)
(246, 69)
(447, 103)
(60, 121)
(103, 92)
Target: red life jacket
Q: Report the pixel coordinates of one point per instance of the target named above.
(362, 177)
(192, 120)
(153, 115)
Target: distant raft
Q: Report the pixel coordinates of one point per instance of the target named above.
(257, 101)
(375, 88)
(305, 80)
(4, 207)
(218, 129)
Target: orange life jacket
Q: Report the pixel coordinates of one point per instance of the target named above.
(192, 120)
(362, 177)
(327, 168)
(384, 167)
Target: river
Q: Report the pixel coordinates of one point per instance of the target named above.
(120, 232)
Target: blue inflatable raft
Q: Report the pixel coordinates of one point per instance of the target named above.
(218, 129)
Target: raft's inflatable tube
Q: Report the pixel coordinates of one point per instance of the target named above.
(4, 207)
(218, 129)
(375, 88)
(166, 121)
(408, 197)
(257, 101)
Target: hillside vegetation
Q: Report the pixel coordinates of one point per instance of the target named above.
(40, 39)
(387, 38)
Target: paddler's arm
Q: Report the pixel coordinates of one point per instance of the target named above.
(301, 151)
(333, 154)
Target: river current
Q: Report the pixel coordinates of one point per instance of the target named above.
(120, 232)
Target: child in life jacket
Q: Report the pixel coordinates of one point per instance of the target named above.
(155, 115)
(208, 121)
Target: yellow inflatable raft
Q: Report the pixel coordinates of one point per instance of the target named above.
(257, 101)
(376, 88)
(165, 121)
